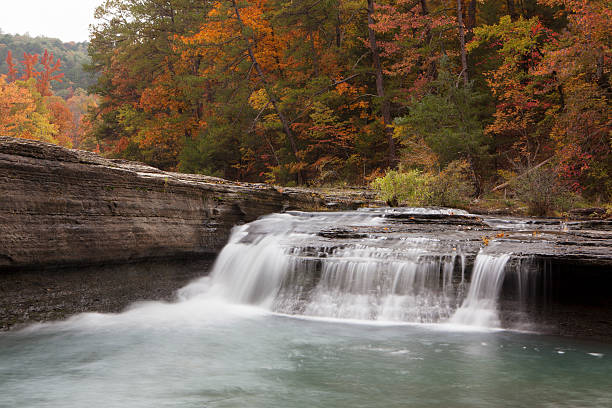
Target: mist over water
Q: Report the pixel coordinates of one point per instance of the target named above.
(203, 353)
(289, 320)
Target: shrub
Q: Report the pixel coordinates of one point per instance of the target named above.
(542, 191)
(451, 187)
(402, 187)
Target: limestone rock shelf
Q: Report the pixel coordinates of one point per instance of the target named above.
(62, 207)
(79, 232)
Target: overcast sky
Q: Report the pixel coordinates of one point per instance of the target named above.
(67, 20)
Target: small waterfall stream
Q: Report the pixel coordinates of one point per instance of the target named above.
(480, 306)
(316, 265)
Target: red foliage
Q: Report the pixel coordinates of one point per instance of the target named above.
(29, 66)
(48, 74)
(12, 71)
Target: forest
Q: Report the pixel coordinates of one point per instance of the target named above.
(73, 56)
(430, 101)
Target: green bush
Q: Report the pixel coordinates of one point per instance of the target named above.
(402, 187)
(450, 188)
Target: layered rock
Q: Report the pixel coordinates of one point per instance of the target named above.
(82, 233)
(62, 207)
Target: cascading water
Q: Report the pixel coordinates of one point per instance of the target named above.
(480, 305)
(213, 348)
(373, 284)
(332, 265)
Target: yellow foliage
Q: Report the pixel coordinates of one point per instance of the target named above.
(23, 112)
(258, 99)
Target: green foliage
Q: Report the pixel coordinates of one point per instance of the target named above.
(452, 187)
(212, 153)
(598, 181)
(450, 119)
(402, 187)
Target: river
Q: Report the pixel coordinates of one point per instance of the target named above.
(311, 310)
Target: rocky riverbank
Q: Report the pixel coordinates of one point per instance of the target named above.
(62, 207)
(79, 233)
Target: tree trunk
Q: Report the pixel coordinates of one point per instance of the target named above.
(511, 9)
(424, 9)
(270, 95)
(380, 90)
(601, 78)
(315, 55)
(506, 184)
(338, 30)
(432, 69)
(464, 65)
(470, 21)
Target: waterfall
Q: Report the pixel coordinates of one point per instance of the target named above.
(480, 305)
(325, 265)
(244, 272)
(366, 283)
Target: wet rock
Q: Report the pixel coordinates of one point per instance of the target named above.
(447, 219)
(338, 233)
(592, 212)
(28, 296)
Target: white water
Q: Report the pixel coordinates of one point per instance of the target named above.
(275, 263)
(372, 284)
(480, 305)
(213, 348)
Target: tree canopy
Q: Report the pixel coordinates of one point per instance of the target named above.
(339, 91)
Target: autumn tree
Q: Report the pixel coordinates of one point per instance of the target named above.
(12, 71)
(61, 118)
(29, 62)
(24, 113)
(16, 105)
(50, 72)
(80, 103)
(520, 126)
(578, 70)
(151, 100)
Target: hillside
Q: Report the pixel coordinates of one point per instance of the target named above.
(73, 56)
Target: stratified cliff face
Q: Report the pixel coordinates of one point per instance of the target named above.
(61, 207)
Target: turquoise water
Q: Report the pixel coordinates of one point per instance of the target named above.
(208, 353)
(227, 343)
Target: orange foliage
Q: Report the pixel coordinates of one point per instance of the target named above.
(12, 71)
(29, 66)
(61, 117)
(16, 105)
